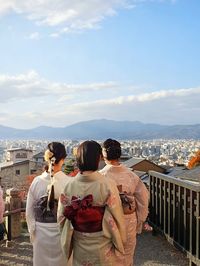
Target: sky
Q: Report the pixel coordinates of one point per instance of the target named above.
(62, 61)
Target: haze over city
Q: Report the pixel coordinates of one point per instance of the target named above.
(67, 62)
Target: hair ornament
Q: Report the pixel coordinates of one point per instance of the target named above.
(104, 152)
(48, 156)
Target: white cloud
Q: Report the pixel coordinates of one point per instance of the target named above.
(144, 98)
(165, 107)
(30, 85)
(69, 15)
(33, 100)
(76, 14)
(34, 36)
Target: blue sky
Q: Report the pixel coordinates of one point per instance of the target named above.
(64, 61)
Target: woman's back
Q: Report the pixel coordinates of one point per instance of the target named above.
(122, 176)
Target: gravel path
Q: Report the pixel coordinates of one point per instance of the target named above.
(156, 251)
(150, 251)
(18, 253)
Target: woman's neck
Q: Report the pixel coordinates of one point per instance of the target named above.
(57, 168)
(87, 172)
(113, 162)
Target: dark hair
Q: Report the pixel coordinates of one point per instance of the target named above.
(112, 148)
(58, 150)
(88, 155)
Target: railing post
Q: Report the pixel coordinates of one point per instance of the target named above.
(13, 221)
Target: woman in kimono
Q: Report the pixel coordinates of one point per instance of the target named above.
(44, 230)
(90, 213)
(135, 191)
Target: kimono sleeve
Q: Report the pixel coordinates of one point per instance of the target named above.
(114, 224)
(61, 205)
(30, 215)
(66, 227)
(142, 199)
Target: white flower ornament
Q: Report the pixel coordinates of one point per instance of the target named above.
(48, 156)
(104, 152)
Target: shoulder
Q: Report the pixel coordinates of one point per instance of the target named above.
(37, 181)
(64, 178)
(105, 170)
(106, 184)
(109, 171)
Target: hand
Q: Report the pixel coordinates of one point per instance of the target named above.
(147, 227)
(32, 237)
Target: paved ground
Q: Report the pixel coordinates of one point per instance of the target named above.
(18, 253)
(156, 251)
(151, 250)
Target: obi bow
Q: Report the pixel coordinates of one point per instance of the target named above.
(77, 203)
(81, 203)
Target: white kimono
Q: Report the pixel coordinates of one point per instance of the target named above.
(45, 237)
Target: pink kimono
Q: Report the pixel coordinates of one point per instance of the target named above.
(131, 184)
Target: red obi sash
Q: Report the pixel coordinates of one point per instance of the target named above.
(84, 217)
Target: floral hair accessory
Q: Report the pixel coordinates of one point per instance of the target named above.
(104, 152)
(48, 156)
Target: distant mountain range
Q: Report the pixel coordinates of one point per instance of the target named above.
(102, 129)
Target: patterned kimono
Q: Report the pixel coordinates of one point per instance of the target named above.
(131, 184)
(45, 236)
(90, 247)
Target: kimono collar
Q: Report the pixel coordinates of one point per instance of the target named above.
(88, 177)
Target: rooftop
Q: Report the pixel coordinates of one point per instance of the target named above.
(188, 174)
(19, 149)
(133, 161)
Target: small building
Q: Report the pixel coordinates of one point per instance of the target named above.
(15, 174)
(18, 154)
(143, 165)
(39, 157)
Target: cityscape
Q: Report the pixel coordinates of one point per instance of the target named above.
(162, 152)
(72, 71)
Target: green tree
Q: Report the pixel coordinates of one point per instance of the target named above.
(69, 166)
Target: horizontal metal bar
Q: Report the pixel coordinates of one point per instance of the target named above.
(7, 213)
(174, 180)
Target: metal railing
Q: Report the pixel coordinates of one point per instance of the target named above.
(175, 211)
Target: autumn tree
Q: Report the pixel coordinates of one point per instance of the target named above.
(194, 161)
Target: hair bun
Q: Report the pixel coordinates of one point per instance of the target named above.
(112, 148)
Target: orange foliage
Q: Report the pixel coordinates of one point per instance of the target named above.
(194, 161)
(73, 173)
(22, 194)
(30, 179)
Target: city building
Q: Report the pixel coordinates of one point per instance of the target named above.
(19, 165)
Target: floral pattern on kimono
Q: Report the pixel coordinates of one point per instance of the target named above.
(134, 187)
(96, 248)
